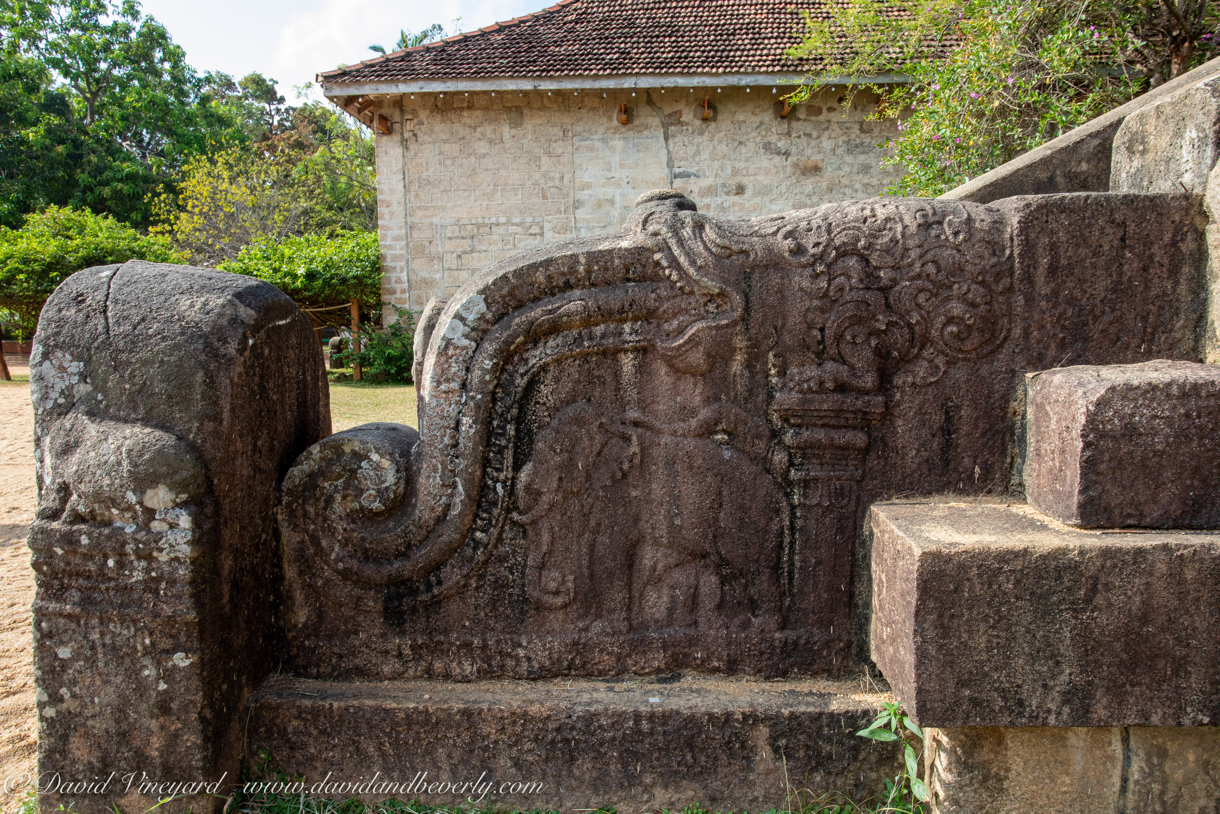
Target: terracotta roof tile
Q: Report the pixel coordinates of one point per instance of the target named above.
(611, 38)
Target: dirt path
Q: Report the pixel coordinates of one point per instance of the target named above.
(17, 502)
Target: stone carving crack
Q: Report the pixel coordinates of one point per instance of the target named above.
(669, 153)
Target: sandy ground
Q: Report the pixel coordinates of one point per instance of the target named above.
(17, 502)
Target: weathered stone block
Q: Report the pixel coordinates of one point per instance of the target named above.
(1170, 146)
(1125, 445)
(995, 615)
(1106, 279)
(1072, 770)
(632, 743)
(168, 403)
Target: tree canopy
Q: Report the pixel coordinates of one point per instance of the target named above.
(406, 40)
(990, 80)
(108, 134)
(56, 243)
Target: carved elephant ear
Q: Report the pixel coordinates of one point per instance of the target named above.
(561, 460)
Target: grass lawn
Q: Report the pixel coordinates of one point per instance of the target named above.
(354, 403)
(351, 403)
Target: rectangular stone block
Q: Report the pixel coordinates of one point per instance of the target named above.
(1074, 770)
(1106, 279)
(1170, 146)
(632, 743)
(1125, 445)
(995, 615)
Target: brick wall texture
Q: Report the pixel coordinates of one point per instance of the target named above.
(467, 180)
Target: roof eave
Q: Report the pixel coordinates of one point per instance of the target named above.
(335, 88)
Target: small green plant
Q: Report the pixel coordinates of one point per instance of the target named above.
(907, 791)
(385, 355)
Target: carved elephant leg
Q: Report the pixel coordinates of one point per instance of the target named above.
(550, 585)
(611, 571)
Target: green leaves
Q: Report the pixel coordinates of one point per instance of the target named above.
(991, 79)
(878, 734)
(891, 725)
(912, 760)
(385, 355)
(58, 242)
(318, 271)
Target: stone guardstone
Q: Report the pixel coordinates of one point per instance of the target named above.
(168, 403)
(1125, 445)
(994, 615)
(643, 461)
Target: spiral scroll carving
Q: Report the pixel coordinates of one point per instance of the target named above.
(902, 287)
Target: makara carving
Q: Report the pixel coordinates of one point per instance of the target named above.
(640, 418)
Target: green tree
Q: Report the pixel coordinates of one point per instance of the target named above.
(990, 80)
(230, 200)
(432, 33)
(41, 143)
(139, 108)
(56, 243)
(338, 176)
(316, 175)
(318, 271)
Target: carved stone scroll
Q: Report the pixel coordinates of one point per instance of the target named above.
(595, 432)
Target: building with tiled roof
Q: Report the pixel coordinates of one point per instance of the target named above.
(550, 125)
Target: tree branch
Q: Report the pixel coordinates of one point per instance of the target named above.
(1173, 10)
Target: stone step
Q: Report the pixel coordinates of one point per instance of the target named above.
(996, 615)
(634, 743)
(1114, 446)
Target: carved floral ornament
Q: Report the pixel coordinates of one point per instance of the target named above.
(899, 287)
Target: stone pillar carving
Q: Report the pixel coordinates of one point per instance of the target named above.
(826, 438)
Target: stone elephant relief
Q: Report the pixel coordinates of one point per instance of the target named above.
(632, 524)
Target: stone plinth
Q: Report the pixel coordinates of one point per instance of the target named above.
(1125, 445)
(994, 615)
(634, 744)
(1070, 770)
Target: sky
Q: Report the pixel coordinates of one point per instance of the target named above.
(292, 40)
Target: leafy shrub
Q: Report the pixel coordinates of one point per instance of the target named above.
(385, 355)
(318, 272)
(53, 244)
(228, 201)
(992, 79)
